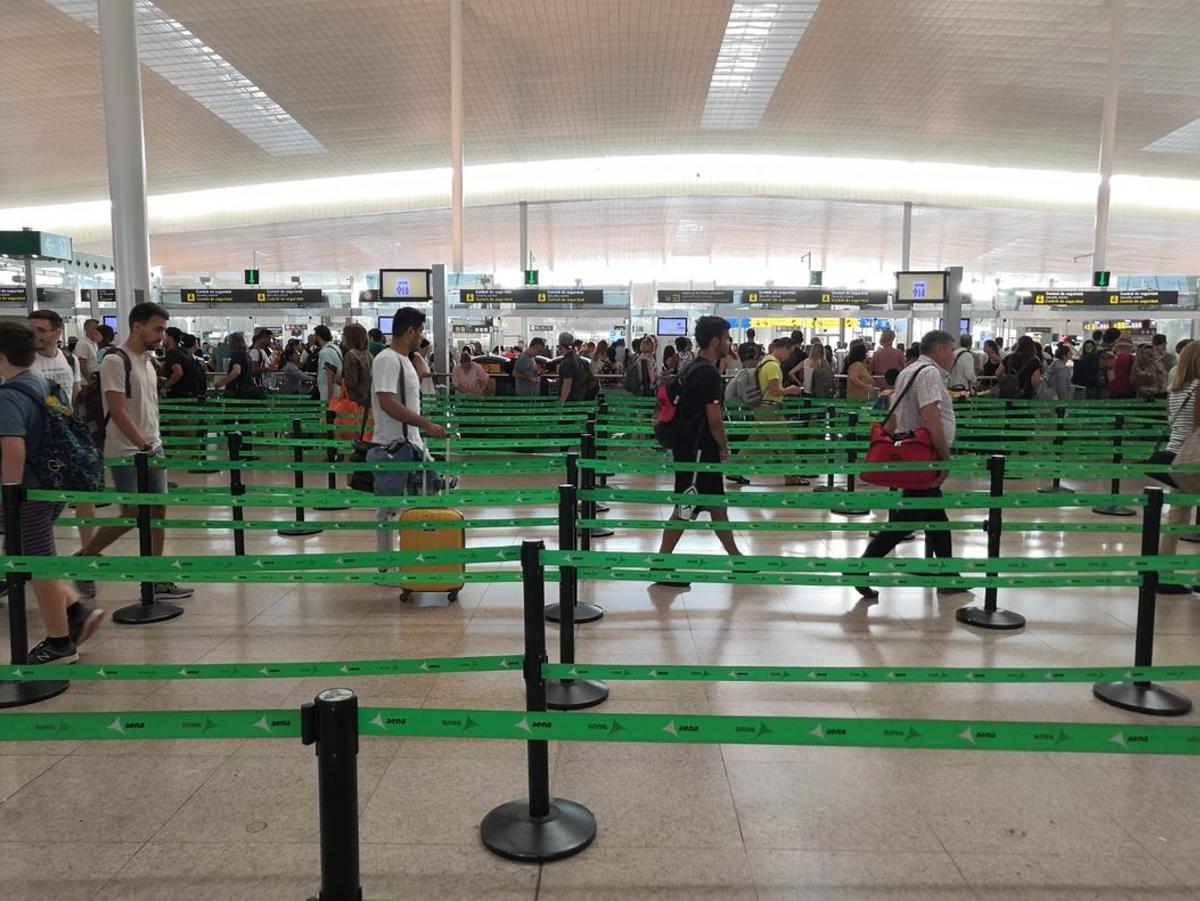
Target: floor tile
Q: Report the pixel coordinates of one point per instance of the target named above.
(617, 872)
(856, 875)
(1097, 876)
(60, 870)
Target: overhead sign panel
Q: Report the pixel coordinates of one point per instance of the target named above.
(44, 245)
(698, 297)
(1083, 297)
(921, 287)
(533, 296)
(99, 295)
(60, 298)
(814, 297)
(405, 284)
(288, 297)
(12, 294)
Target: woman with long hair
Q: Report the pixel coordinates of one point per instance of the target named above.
(859, 380)
(1184, 419)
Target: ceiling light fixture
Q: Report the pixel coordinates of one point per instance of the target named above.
(167, 46)
(760, 37)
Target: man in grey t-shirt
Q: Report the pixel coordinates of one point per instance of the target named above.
(921, 400)
(526, 375)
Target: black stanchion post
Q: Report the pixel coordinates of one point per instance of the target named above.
(1056, 485)
(568, 517)
(18, 694)
(573, 469)
(538, 828)
(601, 410)
(588, 448)
(1115, 509)
(570, 694)
(590, 507)
(851, 457)
(237, 489)
(148, 610)
(990, 616)
(331, 456)
(1146, 697)
(301, 529)
(331, 723)
(830, 412)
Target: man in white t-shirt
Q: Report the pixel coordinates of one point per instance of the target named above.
(962, 372)
(51, 362)
(87, 350)
(396, 406)
(129, 387)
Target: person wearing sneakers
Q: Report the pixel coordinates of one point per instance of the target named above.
(129, 385)
(68, 622)
(927, 404)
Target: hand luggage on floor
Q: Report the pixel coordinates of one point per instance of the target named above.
(447, 577)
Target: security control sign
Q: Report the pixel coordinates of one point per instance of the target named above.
(10, 294)
(1082, 297)
(533, 296)
(697, 297)
(814, 297)
(288, 297)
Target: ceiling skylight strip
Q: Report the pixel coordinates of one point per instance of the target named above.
(1181, 140)
(168, 48)
(760, 37)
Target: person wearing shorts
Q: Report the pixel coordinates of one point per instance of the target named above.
(705, 440)
(68, 622)
(129, 386)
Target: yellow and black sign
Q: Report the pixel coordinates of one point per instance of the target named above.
(533, 296)
(1083, 297)
(694, 296)
(289, 297)
(815, 297)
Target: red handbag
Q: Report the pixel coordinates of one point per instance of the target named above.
(910, 447)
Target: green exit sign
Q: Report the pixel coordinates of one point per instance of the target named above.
(251, 276)
(531, 276)
(815, 278)
(1101, 279)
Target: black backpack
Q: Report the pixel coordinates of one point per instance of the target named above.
(89, 405)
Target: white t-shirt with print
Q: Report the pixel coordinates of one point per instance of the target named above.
(58, 369)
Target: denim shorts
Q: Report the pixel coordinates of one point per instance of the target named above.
(124, 478)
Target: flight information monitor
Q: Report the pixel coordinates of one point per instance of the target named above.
(385, 326)
(672, 326)
(405, 284)
(920, 287)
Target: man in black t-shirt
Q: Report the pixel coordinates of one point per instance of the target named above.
(178, 366)
(704, 440)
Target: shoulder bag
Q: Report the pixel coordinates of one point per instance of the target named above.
(908, 447)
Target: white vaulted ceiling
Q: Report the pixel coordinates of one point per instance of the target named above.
(999, 83)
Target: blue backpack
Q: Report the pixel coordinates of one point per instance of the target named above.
(68, 460)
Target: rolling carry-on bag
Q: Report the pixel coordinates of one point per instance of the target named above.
(434, 536)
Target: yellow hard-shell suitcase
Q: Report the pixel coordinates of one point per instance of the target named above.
(430, 538)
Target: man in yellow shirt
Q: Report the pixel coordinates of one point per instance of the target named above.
(770, 383)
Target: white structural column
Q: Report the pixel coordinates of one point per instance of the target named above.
(126, 145)
(456, 137)
(1108, 130)
(524, 236)
(906, 239)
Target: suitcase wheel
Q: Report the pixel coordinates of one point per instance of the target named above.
(452, 596)
(405, 596)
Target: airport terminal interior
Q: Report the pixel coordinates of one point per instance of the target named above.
(600, 449)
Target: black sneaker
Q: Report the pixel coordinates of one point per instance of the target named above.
(83, 620)
(737, 480)
(44, 653)
(85, 587)
(169, 591)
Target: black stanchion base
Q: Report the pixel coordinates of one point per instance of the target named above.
(584, 613)
(203, 472)
(578, 694)
(600, 508)
(142, 615)
(850, 512)
(983, 618)
(511, 832)
(18, 694)
(1115, 511)
(601, 533)
(1194, 539)
(1143, 697)
(330, 509)
(298, 532)
(826, 489)
(1055, 489)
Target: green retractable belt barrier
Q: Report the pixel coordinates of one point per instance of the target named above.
(314, 497)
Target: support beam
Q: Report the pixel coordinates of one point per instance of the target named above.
(1108, 130)
(30, 286)
(456, 138)
(524, 236)
(125, 142)
(953, 309)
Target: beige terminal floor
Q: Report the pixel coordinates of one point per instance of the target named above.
(237, 820)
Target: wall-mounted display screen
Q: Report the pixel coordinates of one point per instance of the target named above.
(111, 322)
(385, 326)
(405, 284)
(920, 287)
(672, 326)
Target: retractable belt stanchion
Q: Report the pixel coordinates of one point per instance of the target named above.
(237, 489)
(569, 694)
(18, 694)
(852, 457)
(830, 412)
(148, 610)
(568, 512)
(588, 448)
(331, 456)
(1146, 697)
(331, 723)
(588, 477)
(300, 530)
(1116, 509)
(1056, 485)
(989, 616)
(538, 828)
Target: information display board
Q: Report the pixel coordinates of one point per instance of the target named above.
(697, 297)
(1085, 297)
(533, 296)
(43, 245)
(671, 326)
(287, 297)
(97, 295)
(921, 287)
(405, 284)
(12, 294)
(814, 297)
